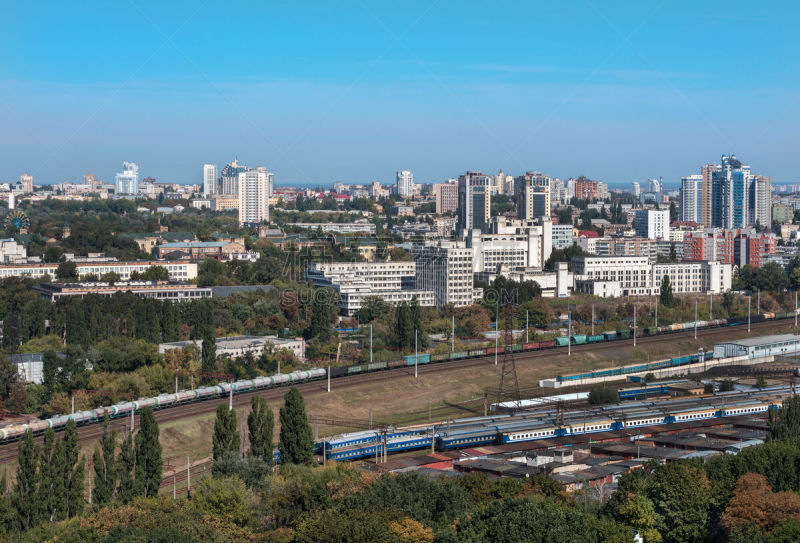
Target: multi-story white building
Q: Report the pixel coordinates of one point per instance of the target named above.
(393, 282)
(633, 273)
(236, 346)
(511, 243)
(563, 236)
(636, 190)
(209, 179)
(11, 251)
(446, 269)
(127, 181)
(637, 276)
(405, 184)
(694, 277)
(178, 271)
(652, 223)
(446, 197)
(692, 198)
(253, 196)
(761, 201)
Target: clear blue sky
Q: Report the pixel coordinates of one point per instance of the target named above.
(353, 91)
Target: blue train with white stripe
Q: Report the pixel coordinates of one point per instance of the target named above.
(504, 429)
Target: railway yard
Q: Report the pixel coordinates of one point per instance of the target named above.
(359, 397)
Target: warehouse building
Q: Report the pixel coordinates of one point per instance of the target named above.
(759, 346)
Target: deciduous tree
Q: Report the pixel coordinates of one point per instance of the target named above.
(261, 425)
(296, 440)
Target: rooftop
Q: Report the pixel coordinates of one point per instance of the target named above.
(762, 340)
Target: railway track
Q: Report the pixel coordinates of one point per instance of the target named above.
(92, 432)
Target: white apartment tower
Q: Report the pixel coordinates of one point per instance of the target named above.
(761, 200)
(405, 184)
(652, 224)
(209, 179)
(692, 198)
(127, 181)
(253, 193)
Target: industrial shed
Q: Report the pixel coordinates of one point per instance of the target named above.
(759, 346)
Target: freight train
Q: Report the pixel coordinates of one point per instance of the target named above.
(162, 401)
(14, 432)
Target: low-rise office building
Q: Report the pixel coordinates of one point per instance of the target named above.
(159, 290)
(200, 249)
(393, 282)
(177, 271)
(236, 346)
(759, 346)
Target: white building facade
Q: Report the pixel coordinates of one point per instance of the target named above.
(127, 181)
(405, 184)
(254, 197)
(209, 179)
(446, 269)
(652, 223)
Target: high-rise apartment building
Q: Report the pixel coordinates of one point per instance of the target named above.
(127, 181)
(692, 198)
(636, 190)
(585, 189)
(253, 192)
(209, 179)
(533, 195)
(730, 194)
(474, 202)
(730, 246)
(26, 180)
(405, 184)
(270, 180)
(230, 177)
(652, 223)
(760, 199)
(707, 172)
(446, 197)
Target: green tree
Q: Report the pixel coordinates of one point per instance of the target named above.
(148, 455)
(372, 308)
(666, 299)
(9, 376)
(321, 309)
(67, 271)
(126, 464)
(155, 273)
(260, 425)
(226, 437)
(110, 277)
(73, 471)
(784, 424)
(51, 489)
(25, 498)
(105, 468)
(209, 351)
(296, 443)
(680, 493)
(602, 395)
(728, 301)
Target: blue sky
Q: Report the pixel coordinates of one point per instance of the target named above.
(354, 90)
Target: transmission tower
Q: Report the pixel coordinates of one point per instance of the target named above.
(508, 391)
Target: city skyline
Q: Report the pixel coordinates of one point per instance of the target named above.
(354, 93)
